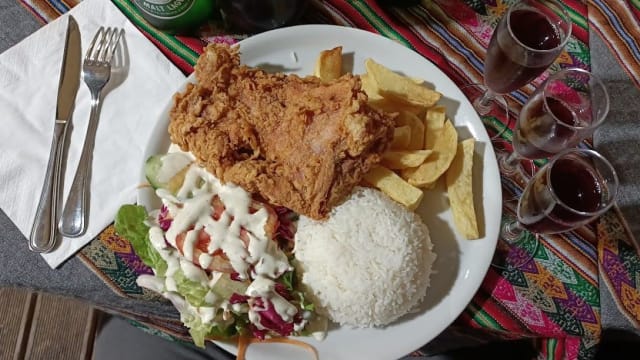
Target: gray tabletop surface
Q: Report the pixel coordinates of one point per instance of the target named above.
(617, 139)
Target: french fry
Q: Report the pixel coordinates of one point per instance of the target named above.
(397, 160)
(382, 103)
(435, 115)
(403, 88)
(443, 140)
(370, 88)
(417, 129)
(425, 145)
(329, 64)
(394, 186)
(391, 105)
(460, 190)
(401, 137)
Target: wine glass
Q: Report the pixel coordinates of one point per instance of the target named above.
(528, 38)
(572, 189)
(562, 112)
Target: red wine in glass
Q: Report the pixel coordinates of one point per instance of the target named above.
(563, 111)
(517, 56)
(572, 189)
(546, 126)
(528, 38)
(567, 193)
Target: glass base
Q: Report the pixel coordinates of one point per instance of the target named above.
(494, 112)
(513, 254)
(510, 167)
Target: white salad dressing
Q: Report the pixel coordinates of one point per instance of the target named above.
(205, 260)
(210, 298)
(172, 164)
(193, 273)
(151, 282)
(207, 313)
(187, 216)
(214, 277)
(257, 257)
(263, 287)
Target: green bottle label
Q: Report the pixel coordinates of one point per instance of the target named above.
(165, 9)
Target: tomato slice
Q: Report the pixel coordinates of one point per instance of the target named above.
(220, 262)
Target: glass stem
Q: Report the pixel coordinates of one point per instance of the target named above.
(511, 232)
(483, 104)
(509, 163)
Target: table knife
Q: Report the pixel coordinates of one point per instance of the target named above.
(44, 235)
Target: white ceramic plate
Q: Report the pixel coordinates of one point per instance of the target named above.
(461, 264)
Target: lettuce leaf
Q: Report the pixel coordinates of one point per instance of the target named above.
(130, 224)
(191, 290)
(197, 329)
(200, 331)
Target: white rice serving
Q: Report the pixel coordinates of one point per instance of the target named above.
(369, 263)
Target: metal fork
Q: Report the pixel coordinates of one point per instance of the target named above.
(96, 72)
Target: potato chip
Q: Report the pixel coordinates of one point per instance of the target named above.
(329, 64)
(401, 137)
(403, 88)
(460, 190)
(394, 186)
(417, 129)
(397, 160)
(442, 138)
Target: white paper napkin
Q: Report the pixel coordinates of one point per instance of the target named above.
(29, 74)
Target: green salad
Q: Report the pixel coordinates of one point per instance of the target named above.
(222, 258)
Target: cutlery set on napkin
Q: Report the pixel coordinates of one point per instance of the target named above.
(96, 73)
(40, 81)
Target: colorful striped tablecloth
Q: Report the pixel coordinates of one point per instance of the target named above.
(554, 299)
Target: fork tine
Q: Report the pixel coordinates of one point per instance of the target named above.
(113, 43)
(104, 44)
(98, 35)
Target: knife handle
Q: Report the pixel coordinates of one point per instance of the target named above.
(73, 222)
(43, 233)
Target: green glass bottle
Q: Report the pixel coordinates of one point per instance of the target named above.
(176, 16)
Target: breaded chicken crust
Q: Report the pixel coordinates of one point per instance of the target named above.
(295, 142)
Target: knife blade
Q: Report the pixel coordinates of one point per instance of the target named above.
(44, 235)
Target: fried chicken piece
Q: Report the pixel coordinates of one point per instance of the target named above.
(295, 142)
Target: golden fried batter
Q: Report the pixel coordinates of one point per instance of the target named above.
(293, 141)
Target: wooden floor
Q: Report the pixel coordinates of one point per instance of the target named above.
(43, 326)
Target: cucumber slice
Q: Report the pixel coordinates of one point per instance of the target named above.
(151, 169)
(167, 171)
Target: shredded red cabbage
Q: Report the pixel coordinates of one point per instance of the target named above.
(238, 299)
(271, 320)
(282, 290)
(163, 218)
